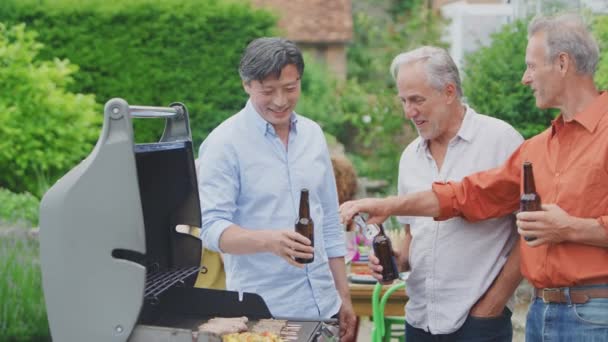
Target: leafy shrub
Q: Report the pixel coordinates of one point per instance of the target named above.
(492, 81)
(318, 99)
(370, 124)
(45, 129)
(380, 130)
(22, 308)
(18, 209)
(600, 30)
(151, 52)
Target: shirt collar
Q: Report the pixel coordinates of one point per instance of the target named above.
(588, 117)
(263, 126)
(466, 131)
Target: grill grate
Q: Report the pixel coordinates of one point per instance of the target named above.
(158, 282)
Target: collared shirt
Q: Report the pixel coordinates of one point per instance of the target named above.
(570, 163)
(454, 262)
(248, 177)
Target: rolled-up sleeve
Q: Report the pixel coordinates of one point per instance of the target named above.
(333, 234)
(482, 195)
(218, 188)
(447, 204)
(603, 220)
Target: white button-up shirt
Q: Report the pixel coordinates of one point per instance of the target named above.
(454, 262)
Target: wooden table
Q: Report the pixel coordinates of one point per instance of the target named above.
(361, 296)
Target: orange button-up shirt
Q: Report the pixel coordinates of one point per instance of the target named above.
(570, 165)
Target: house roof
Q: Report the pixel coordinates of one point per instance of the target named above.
(312, 21)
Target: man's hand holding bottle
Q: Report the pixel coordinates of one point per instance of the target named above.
(376, 269)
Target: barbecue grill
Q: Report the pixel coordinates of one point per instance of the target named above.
(114, 266)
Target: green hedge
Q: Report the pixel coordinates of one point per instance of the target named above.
(150, 52)
(44, 129)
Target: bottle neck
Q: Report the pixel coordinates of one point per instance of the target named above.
(380, 229)
(529, 186)
(304, 205)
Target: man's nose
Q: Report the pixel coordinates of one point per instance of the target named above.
(279, 100)
(410, 111)
(526, 79)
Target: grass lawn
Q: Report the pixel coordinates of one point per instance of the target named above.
(22, 310)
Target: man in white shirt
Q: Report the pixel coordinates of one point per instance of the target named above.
(461, 280)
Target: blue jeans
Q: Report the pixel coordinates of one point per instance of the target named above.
(474, 329)
(586, 322)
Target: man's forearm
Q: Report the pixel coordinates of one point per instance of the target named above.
(508, 279)
(588, 231)
(424, 203)
(338, 270)
(237, 240)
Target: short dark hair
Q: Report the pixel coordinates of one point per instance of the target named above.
(268, 56)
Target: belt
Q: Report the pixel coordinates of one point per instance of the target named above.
(577, 295)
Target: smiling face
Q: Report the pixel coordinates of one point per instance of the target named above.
(542, 75)
(275, 98)
(425, 106)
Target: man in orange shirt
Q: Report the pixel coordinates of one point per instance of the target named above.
(568, 261)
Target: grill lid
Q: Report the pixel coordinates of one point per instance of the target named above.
(92, 218)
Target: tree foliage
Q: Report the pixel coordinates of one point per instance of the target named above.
(382, 131)
(18, 209)
(151, 52)
(154, 52)
(600, 30)
(492, 81)
(45, 129)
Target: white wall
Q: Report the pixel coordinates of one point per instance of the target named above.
(472, 24)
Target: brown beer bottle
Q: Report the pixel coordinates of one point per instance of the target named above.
(383, 249)
(530, 200)
(305, 225)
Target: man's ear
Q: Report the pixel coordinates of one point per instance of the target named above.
(450, 92)
(246, 86)
(564, 62)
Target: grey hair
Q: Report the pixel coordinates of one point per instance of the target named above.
(568, 33)
(440, 67)
(264, 57)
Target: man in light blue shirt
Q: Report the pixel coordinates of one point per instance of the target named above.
(252, 168)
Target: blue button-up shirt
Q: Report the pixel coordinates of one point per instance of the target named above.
(247, 177)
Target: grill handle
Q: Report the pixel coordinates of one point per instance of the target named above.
(155, 112)
(177, 125)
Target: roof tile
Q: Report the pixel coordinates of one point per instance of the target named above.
(312, 21)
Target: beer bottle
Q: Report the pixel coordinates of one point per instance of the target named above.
(383, 249)
(305, 225)
(530, 200)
